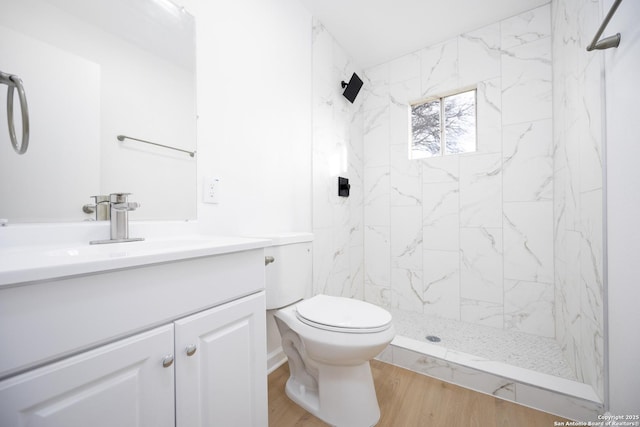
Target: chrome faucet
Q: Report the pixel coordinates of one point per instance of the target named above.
(100, 208)
(119, 208)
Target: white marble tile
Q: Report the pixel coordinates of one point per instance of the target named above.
(404, 68)
(482, 381)
(441, 284)
(400, 126)
(572, 182)
(406, 286)
(481, 190)
(420, 363)
(338, 284)
(526, 27)
(526, 82)
(528, 239)
(386, 355)
(590, 126)
(406, 237)
(405, 179)
(479, 55)
(400, 112)
(529, 307)
(439, 68)
(568, 291)
(481, 264)
(375, 87)
(440, 216)
(441, 169)
(377, 196)
(376, 137)
(322, 192)
(541, 391)
(481, 313)
(405, 92)
(322, 243)
(377, 255)
(322, 52)
(489, 112)
(340, 236)
(566, 406)
(405, 340)
(578, 130)
(592, 257)
(377, 294)
(356, 272)
(592, 354)
(528, 161)
(356, 221)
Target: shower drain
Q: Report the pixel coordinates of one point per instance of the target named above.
(433, 338)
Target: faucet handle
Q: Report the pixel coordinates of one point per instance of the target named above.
(125, 206)
(118, 197)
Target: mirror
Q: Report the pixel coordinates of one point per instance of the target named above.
(93, 70)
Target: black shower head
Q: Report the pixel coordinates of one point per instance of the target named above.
(352, 88)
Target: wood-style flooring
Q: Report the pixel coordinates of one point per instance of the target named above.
(408, 399)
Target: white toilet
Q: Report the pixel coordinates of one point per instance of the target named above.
(328, 341)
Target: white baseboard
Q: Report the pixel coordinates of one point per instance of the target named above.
(275, 359)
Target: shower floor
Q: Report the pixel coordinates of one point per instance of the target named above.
(532, 352)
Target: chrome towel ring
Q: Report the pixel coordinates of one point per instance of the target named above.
(14, 82)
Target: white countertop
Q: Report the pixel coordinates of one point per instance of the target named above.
(24, 263)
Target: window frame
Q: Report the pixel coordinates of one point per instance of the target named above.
(440, 98)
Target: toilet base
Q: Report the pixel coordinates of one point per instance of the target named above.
(346, 396)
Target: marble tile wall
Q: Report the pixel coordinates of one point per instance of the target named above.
(466, 237)
(578, 188)
(509, 236)
(338, 256)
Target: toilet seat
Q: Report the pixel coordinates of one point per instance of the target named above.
(340, 314)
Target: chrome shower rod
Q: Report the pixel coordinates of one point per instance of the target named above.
(607, 42)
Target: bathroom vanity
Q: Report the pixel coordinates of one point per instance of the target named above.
(154, 333)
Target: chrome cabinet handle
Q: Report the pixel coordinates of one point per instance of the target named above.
(191, 349)
(167, 361)
(269, 259)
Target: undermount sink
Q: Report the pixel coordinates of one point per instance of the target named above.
(34, 263)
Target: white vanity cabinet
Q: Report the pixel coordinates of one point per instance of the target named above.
(220, 366)
(119, 384)
(169, 344)
(215, 364)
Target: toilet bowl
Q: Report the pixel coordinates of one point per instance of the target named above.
(328, 340)
(329, 347)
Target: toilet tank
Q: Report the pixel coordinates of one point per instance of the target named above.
(288, 278)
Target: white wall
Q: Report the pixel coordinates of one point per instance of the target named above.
(623, 205)
(254, 120)
(254, 109)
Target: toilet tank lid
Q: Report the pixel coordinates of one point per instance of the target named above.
(287, 238)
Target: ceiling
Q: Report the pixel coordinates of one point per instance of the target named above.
(376, 31)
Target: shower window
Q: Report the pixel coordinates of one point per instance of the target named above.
(443, 125)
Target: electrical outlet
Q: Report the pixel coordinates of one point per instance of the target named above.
(211, 190)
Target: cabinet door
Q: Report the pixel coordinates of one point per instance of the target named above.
(224, 383)
(122, 384)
